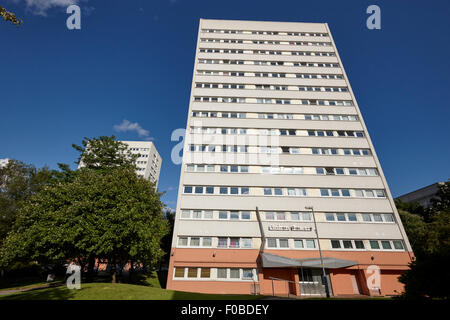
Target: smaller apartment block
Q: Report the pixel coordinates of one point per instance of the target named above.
(149, 161)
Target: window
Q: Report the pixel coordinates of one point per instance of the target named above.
(246, 243)
(374, 244)
(335, 193)
(329, 216)
(398, 245)
(281, 216)
(207, 242)
(340, 216)
(245, 215)
(386, 245)
(269, 216)
(388, 217)
(247, 274)
(182, 241)
(234, 273)
(310, 244)
(205, 273)
(359, 244)
(222, 243)
(197, 214)
(192, 272)
(284, 243)
(352, 217)
(234, 242)
(324, 192)
(208, 214)
(347, 244)
(366, 217)
(195, 242)
(223, 190)
(306, 216)
(234, 215)
(179, 272)
(223, 215)
(185, 214)
(295, 216)
(271, 243)
(377, 217)
(187, 189)
(221, 273)
(298, 243)
(335, 244)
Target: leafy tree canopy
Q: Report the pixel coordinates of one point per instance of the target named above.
(9, 16)
(104, 153)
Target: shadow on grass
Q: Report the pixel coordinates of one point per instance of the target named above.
(59, 292)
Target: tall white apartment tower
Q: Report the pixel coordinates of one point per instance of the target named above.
(275, 138)
(149, 161)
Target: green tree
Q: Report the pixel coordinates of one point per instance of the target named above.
(18, 182)
(428, 275)
(9, 16)
(104, 153)
(104, 212)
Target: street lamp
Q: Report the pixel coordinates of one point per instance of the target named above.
(327, 292)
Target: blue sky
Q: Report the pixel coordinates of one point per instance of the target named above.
(133, 60)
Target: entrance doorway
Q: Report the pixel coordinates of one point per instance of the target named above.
(311, 282)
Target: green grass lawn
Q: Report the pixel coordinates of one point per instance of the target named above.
(117, 291)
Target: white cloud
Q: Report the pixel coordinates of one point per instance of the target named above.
(41, 7)
(130, 126)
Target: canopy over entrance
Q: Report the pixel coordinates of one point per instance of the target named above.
(270, 260)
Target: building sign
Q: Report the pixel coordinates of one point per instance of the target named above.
(281, 227)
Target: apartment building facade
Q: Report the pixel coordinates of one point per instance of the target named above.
(274, 135)
(149, 161)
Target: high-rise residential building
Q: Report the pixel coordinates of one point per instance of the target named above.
(275, 141)
(149, 161)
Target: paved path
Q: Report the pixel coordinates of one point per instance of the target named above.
(43, 286)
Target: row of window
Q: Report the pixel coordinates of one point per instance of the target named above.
(299, 192)
(270, 52)
(272, 33)
(281, 170)
(272, 42)
(268, 87)
(278, 132)
(277, 116)
(269, 74)
(209, 215)
(221, 274)
(311, 102)
(278, 150)
(353, 217)
(288, 243)
(269, 63)
(358, 193)
(139, 149)
(374, 244)
(246, 215)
